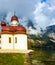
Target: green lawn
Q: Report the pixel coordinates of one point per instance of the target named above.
(12, 59)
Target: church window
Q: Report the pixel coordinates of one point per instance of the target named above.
(0, 47)
(9, 39)
(0, 36)
(15, 39)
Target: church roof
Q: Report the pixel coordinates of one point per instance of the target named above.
(14, 29)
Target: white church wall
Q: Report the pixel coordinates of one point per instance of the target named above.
(0, 41)
(5, 41)
(21, 41)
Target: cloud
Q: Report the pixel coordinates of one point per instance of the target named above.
(9, 15)
(23, 21)
(21, 7)
(40, 18)
(44, 14)
(53, 22)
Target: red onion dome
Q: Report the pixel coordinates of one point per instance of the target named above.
(3, 23)
(14, 18)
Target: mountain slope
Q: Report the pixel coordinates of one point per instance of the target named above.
(50, 32)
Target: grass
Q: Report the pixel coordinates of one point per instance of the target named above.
(11, 59)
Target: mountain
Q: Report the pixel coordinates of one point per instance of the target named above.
(30, 23)
(50, 32)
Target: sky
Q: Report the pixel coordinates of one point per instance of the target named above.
(41, 12)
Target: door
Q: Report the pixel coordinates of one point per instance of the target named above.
(15, 42)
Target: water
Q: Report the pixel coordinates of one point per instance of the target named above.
(42, 57)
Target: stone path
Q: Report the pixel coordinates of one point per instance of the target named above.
(14, 51)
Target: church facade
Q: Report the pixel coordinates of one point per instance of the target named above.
(13, 36)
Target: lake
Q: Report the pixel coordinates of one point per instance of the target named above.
(42, 57)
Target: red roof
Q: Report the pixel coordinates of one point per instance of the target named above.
(14, 18)
(14, 29)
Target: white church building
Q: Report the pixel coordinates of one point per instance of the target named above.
(13, 36)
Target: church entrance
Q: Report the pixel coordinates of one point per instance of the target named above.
(12, 41)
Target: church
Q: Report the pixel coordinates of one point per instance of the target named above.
(13, 36)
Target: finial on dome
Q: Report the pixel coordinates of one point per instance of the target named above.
(14, 17)
(14, 13)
